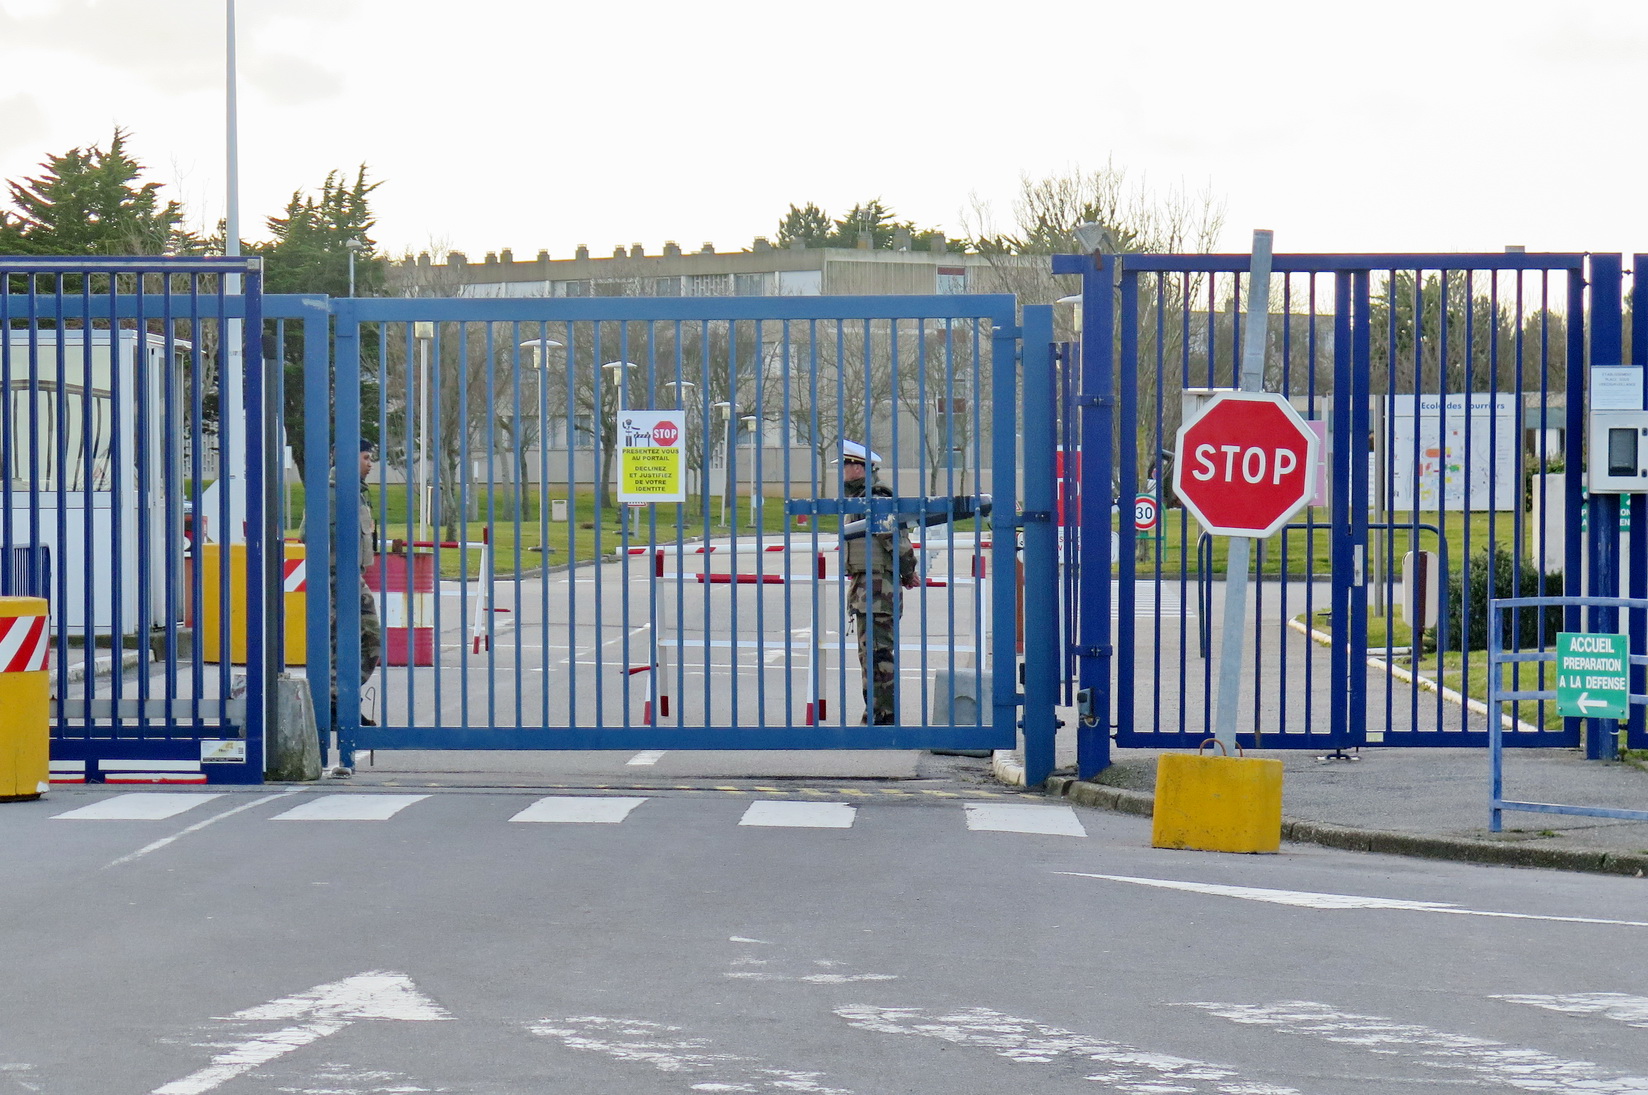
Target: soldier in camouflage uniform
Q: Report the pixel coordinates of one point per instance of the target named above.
(876, 565)
(371, 638)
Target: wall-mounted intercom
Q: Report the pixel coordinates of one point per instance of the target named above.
(1619, 453)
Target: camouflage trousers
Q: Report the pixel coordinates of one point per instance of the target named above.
(877, 627)
(371, 635)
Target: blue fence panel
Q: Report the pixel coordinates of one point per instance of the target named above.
(107, 370)
(1441, 384)
(721, 621)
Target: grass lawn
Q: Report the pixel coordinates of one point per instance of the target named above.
(1306, 552)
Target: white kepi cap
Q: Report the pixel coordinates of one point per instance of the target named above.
(852, 450)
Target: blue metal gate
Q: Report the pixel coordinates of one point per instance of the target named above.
(524, 606)
(115, 380)
(1448, 389)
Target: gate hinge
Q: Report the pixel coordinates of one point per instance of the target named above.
(1092, 651)
(1095, 401)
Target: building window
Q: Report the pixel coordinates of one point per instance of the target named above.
(951, 279)
(752, 285)
(666, 287)
(573, 288)
(708, 285)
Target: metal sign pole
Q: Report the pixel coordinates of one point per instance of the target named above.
(1239, 558)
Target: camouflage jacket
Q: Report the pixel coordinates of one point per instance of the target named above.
(874, 554)
(368, 525)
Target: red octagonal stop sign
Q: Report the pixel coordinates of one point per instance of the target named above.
(1246, 464)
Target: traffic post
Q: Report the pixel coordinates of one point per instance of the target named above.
(1243, 467)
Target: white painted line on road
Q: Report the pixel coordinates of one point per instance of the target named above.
(1333, 901)
(758, 942)
(1126, 1068)
(670, 1049)
(324, 1010)
(1496, 1065)
(800, 815)
(350, 807)
(139, 806)
(650, 757)
(196, 827)
(579, 810)
(1000, 817)
(1617, 1006)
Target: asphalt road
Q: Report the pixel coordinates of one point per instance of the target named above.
(820, 940)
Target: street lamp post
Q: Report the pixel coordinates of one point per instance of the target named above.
(354, 247)
(540, 358)
(726, 456)
(679, 389)
(618, 378)
(755, 491)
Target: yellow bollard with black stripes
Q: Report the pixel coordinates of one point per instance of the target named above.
(25, 699)
(1217, 803)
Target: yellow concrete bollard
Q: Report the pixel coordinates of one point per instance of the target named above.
(294, 598)
(25, 699)
(1217, 803)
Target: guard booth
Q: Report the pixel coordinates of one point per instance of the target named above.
(80, 495)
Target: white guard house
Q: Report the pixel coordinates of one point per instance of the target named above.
(66, 413)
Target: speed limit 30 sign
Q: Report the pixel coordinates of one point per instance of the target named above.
(1145, 512)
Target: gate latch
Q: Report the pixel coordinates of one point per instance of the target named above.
(1084, 707)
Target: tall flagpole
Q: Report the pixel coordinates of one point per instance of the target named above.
(232, 406)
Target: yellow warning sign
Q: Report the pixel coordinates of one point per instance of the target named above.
(652, 457)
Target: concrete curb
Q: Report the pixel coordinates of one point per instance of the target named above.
(102, 666)
(1461, 849)
(1007, 767)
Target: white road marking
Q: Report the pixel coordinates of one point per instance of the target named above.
(800, 815)
(350, 807)
(579, 809)
(1125, 1068)
(323, 1010)
(196, 827)
(139, 806)
(1002, 817)
(1304, 899)
(1497, 1065)
(758, 942)
(652, 756)
(666, 1049)
(1618, 1006)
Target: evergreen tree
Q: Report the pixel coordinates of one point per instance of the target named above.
(89, 202)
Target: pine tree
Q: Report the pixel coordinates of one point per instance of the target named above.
(89, 202)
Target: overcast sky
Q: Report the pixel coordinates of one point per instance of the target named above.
(1432, 125)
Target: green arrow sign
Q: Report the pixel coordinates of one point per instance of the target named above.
(1592, 678)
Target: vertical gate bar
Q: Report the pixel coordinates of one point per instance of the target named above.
(544, 514)
(517, 467)
(1040, 547)
(570, 381)
(1124, 627)
(258, 529)
(1344, 393)
(787, 431)
(1097, 436)
(1186, 300)
(489, 528)
(758, 519)
(317, 520)
(706, 355)
(140, 444)
(1519, 529)
(1358, 678)
(818, 474)
(924, 474)
(981, 606)
(624, 400)
(1004, 483)
(1573, 547)
(1313, 403)
(1284, 561)
(603, 439)
(415, 516)
(1607, 348)
(347, 406)
(433, 384)
(1158, 449)
(1445, 347)
(842, 425)
(227, 439)
(197, 539)
(1636, 736)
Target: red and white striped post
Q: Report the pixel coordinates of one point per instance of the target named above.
(408, 600)
(25, 698)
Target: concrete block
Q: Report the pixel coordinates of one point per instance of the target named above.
(293, 747)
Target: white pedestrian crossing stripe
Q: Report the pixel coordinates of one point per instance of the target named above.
(350, 808)
(1007, 817)
(1618, 1006)
(1498, 1065)
(139, 806)
(581, 810)
(800, 815)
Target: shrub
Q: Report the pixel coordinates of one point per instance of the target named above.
(1468, 608)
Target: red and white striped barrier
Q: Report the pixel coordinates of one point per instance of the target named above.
(294, 576)
(25, 644)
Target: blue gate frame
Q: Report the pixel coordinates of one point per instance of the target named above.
(99, 529)
(1484, 330)
(465, 350)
